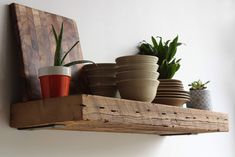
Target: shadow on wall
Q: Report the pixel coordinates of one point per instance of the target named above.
(9, 75)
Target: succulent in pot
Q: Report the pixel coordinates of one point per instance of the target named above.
(55, 80)
(165, 51)
(199, 96)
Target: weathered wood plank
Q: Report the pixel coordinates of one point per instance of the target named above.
(96, 113)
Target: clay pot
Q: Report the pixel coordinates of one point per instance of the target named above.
(138, 89)
(54, 81)
(104, 90)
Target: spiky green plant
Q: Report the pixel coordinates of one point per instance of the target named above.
(198, 85)
(165, 51)
(60, 56)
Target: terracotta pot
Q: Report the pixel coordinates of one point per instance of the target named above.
(199, 99)
(54, 81)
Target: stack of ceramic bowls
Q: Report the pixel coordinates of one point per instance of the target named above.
(171, 92)
(101, 79)
(137, 77)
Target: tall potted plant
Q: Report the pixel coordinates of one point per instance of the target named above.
(165, 51)
(199, 96)
(55, 80)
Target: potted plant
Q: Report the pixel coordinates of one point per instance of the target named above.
(165, 51)
(55, 80)
(199, 96)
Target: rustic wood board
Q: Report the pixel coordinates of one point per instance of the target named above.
(97, 113)
(36, 46)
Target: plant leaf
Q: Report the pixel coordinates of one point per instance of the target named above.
(78, 62)
(65, 55)
(58, 51)
(54, 32)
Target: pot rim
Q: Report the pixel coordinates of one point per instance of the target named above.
(54, 70)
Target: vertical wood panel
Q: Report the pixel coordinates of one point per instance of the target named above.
(36, 46)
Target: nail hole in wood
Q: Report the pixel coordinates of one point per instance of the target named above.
(166, 126)
(163, 113)
(137, 112)
(148, 110)
(83, 105)
(113, 110)
(187, 117)
(207, 117)
(175, 113)
(106, 121)
(194, 118)
(217, 118)
(101, 107)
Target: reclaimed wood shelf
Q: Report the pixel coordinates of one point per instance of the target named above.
(103, 114)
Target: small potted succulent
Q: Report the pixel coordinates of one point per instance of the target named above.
(55, 80)
(199, 96)
(165, 51)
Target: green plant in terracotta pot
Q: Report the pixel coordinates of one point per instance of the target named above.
(199, 96)
(55, 80)
(165, 51)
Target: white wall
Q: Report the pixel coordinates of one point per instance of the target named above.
(110, 28)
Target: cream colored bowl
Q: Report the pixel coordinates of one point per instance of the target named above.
(136, 59)
(138, 89)
(137, 74)
(143, 66)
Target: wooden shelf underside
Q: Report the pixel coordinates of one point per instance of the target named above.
(96, 113)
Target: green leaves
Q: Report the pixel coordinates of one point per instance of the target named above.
(58, 59)
(165, 51)
(198, 85)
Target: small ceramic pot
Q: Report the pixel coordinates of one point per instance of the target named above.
(54, 81)
(199, 99)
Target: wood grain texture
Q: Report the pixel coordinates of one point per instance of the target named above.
(36, 46)
(96, 113)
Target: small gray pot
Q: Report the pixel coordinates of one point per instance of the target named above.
(199, 99)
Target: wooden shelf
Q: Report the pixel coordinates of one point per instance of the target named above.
(96, 113)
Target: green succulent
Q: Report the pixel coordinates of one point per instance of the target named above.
(60, 56)
(165, 51)
(198, 85)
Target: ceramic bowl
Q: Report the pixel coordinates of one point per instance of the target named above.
(101, 80)
(136, 59)
(99, 66)
(137, 74)
(101, 72)
(108, 91)
(130, 67)
(138, 89)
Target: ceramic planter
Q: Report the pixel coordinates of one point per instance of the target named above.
(54, 81)
(199, 99)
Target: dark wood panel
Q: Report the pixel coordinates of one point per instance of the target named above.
(36, 46)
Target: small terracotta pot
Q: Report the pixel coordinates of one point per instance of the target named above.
(54, 81)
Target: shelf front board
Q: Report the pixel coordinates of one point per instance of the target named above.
(103, 114)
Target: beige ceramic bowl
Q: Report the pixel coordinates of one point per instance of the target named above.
(137, 74)
(101, 80)
(138, 89)
(148, 67)
(136, 59)
(99, 66)
(101, 72)
(108, 91)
